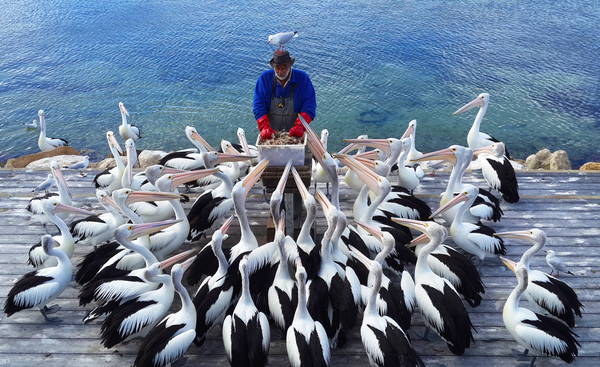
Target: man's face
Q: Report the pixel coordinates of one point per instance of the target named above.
(282, 71)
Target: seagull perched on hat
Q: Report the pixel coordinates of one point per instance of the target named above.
(281, 39)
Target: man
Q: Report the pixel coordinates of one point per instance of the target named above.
(280, 95)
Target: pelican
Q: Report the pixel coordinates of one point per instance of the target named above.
(214, 296)
(556, 263)
(64, 194)
(137, 316)
(475, 138)
(440, 305)
(452, 265)
(52, 206)
(306, 340)
(81, 165)
(96, 229)
(384, 340)
(549, 293)
(498, 171)
(411, 132)
(48, 144)
(126, 130)
(541, 334)
(476, 239)
(318, 173)
(40, 287)
(168, 341)
(246, 332)
(110, 178)
(486, 206)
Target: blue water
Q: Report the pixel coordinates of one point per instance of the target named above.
(375, 66)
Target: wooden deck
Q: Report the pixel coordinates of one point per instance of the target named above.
(564, 204)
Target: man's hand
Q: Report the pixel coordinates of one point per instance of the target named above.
(266, 132)
(298, 129)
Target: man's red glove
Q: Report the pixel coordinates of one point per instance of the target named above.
(298, 130)
(265, 127)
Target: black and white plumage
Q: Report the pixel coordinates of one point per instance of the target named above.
(168, 341)
(110, 178)
(385, 342)
(96, 229)
(556, 263)
(246, 332)
(475, 138)
(477, 239)
(280, 39)
(498, 171)
(51, 207)
(126, 130)
(38, 288)
(540, 334)
(550, 294)
(135, 317)
(440, 305)
(306, 340)
(47, 144)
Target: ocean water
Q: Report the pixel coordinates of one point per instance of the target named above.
(375, 66)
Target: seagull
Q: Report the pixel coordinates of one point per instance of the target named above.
(556, 263)
(46, 184)
(81, 165)
(31, 125)
(281, 39)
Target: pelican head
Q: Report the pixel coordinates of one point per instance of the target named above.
(481, 100)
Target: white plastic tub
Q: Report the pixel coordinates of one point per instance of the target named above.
(279, 155)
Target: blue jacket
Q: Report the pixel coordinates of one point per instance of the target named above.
(304, 93)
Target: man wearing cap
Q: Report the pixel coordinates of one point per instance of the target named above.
(280, 95)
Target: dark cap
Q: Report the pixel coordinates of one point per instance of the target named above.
(282, 57)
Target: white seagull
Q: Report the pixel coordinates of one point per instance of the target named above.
(556, 263)
(81, 165)
(280, 39)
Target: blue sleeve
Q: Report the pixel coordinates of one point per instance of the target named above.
(262, 94)
(304, 96)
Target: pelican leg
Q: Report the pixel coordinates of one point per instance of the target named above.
(44, 312)
(328, 194)
(427, 337)
(51, 309)
(265, 194)
(179, 362)
(532, 361)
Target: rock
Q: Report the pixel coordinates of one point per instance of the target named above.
(22, 162)
(590, 166)
(63, 161)
(107, 163)
(149, 158)
(533, 162)
(559, 161)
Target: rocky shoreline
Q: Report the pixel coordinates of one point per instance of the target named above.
(66, 156)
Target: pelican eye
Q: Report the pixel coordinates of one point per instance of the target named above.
(170, 177)
(129, 228)
(55, 204)
(127, 192)
(454, 149)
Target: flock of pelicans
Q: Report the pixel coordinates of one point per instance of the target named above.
(313, 291)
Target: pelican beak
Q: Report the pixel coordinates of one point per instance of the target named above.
(113, 142)
(373, 231)
(509, 263)
(145, 229)
(187, 176)
(382, 144)
(229, 157)
(64, 208)
(477, 102)
(369, 163)
(519, 235)
(348, 148)
(421, 239)
(137, 196)
(242, 137)
(409, 131)
(254, 175)
(301, 187)
(123, 109)
(369, 177)
(197, 137)
(371, 154)
(418, 225)
(284, 177)
(312, 140)
(322, 199)
(60, 179)
(225, 226)
(186, 264)
(360, 256)
(281, 224)
(444, 154)
(486, 149)
(109, 200)
(457, 199)
(174, 259)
